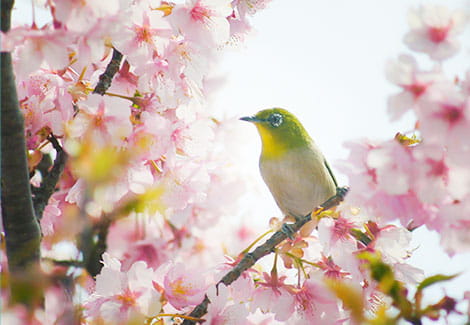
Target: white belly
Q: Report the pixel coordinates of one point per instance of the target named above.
(299, 183)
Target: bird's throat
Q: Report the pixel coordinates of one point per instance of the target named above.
(272, 148)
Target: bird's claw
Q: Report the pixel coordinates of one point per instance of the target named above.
(342, 191)
(287, 230)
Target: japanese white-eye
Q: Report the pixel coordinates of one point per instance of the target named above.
(291, 164)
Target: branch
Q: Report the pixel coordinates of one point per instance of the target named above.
(93, 257)
(92, 242)
(48, 185)
(22, 232)
(7, 6)
(107, 77)
(268, 247)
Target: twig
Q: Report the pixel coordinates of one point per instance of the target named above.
(268, 247)
(107, 76)
(93, 261)
(48, 185)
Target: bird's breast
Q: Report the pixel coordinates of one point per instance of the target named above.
(298, 181)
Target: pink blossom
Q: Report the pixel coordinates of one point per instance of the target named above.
(49, 220)
(330, 269)
(203, 21)
(222, 311)
(444, 114)
(92, 43)
(145, 37)
(79, 14)
(315, 304)
(183, 287)
(37, 46)
(139, 178)
(414, 83)
(330, 231)
(434, 30)
(454, 233)
(105, 119)
(153, 251)
(250, 7)
(393, 243)
(45, 103)
(432, 178)
(119, 295)
(392, 164)
(381, 182)
(153, 137)
(274, 296)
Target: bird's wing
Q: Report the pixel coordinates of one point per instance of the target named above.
(330, 172)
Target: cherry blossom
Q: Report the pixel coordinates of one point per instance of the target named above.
(123, 295)
(37, 46)
(145, 36)
(444, 113)
(103, 119)
(203, 21)
(273, 295)
(315, 304)
(414, 83)
(182, 288)
(434, 30)
(222, 311)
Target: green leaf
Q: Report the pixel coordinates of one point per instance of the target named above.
(435, 279)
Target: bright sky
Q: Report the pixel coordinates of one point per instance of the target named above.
(324, 61)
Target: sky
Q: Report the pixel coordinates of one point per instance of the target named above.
(324, 61)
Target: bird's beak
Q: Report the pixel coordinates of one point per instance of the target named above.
(251, 119)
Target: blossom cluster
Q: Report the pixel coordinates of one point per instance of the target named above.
(147, 155)
(423, 178)
(150, 138)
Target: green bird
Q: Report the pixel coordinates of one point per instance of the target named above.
(291, 164)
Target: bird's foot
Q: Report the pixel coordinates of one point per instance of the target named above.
(288, 231)
(341, 192)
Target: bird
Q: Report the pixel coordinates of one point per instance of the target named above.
(291, 164)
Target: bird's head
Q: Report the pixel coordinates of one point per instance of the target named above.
(280, 131)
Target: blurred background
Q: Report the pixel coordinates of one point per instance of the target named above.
(324, 61)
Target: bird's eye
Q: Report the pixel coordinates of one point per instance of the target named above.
(275, 119)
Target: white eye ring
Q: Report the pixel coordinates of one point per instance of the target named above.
(275, 119)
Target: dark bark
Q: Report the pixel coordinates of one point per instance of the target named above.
(107, 77)
(22, 232)
(50, 179)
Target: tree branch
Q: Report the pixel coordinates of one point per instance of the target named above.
(48, 185)
(107, 77)
(22, 232)
(92, 261)
(268, 247)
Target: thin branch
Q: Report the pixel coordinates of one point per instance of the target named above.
(267, 248)
(107, 77)
(48, 185)
(198, 311)
(93, 257)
